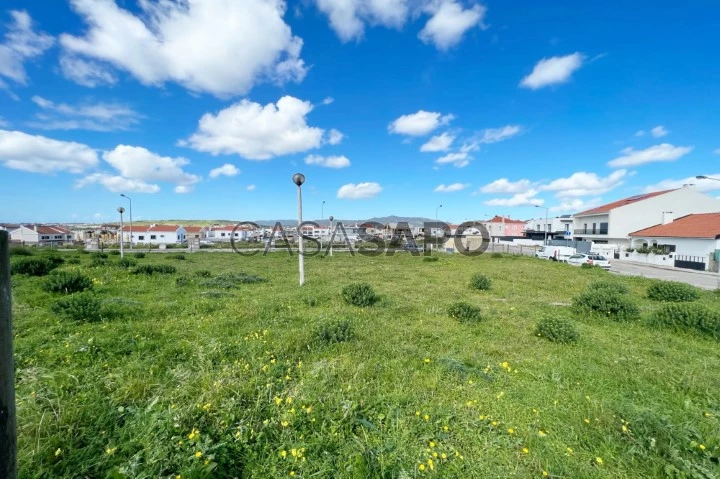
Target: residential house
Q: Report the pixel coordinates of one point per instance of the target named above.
(154, 234)
(42, 235)
(232, 232)
(693, 238)
(612, 223)
(499, 226)
(555, 227)
(196, 232)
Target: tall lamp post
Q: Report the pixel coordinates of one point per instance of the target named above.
(546, 222)
(436, 220)
(332, 232)
(299, 179)
(322, 219)
(121, 210)
(131, 231)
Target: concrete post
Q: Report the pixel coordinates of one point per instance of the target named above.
(8, 439)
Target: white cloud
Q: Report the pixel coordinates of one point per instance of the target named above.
(659, 131)
(223, 47)
(520, 199)
(717, 152)
(458, 159)
(96, 117)
(258, 132)
(662, 152)
(449, 23)
(183, 189)
(503, 185)
(86, 73)
(328, 100)
(585, 184)
(225, 170)
(552, 71)
(38, 154)
(348, 17)
(328, 161)
(570, 205)
(494, 135)
(360, 191)
(335, 137)
(451, 188)
(700, 185)
(250, 187)
(640, 133)
(438, 143)
(21, 43)
(137, 163)
(420, 123)
(117, 184)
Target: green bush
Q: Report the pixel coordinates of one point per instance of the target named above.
(232, 280)
(672, 291)
(359, 294)
(73, 260)
(480, 282)
(203, 273)
(98, 262)
(177, 256)
(589, 266)
(465, 312)
(20, 251)
(496, 255)
(100, 255)
(114, 252)
(79, 307)
(643, 250)
(629, 250)
(311, 301)
(557, 330)
(126, 262)
(609, 287)
(616, 306)
(688, 317)
(139, 255)
(430, 259)
(32, 266)
(67, 282)
(334, 331)
(150, 269)
(184, 280)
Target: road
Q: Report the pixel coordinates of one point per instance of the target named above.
(700, 279)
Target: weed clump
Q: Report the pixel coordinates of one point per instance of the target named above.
(672, 291)
(79, 307)
(496, 255)
(232, 280)
(73, 260)
(557, 330)
(311, 301)
(616, 306)
(610, 287)
(184, 281)
(20, 251)
(100, 255)
(334, 331)
(67, 282)
(177, 256)
(480, 282)
(150, 269)
(430, 259)
(465, 312)
(139, 255)
(98, 261)
(687, 317)
(203, 273)
(114, 252)
(33, 266)
(359, 294)
(126, 262)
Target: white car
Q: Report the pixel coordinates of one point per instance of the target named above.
(591, 259)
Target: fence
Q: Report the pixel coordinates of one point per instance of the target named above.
(690, 262)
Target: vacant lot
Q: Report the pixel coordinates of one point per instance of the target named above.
(212, 372)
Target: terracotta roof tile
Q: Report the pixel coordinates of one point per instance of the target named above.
(625, 201)
(705, 225)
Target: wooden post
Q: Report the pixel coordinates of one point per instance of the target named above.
(8, 439)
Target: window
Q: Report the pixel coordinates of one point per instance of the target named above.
(152, 237)
(141, 238)
(162, 236)
(44, 237)
(222, 234)
(537, 227)
(594, 227)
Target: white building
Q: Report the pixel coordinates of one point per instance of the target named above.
(555, 227)
(154, 234)
(233, 233)
(612, 223)
(42, 235)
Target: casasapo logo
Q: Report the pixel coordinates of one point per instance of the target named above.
(370, 238)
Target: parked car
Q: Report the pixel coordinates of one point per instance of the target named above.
(591, 259)
(555, 253)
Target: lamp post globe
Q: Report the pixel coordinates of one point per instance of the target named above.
(121, 210)
(298, 179)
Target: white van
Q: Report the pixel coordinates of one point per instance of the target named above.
(555, 253)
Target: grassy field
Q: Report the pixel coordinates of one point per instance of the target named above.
(187, 377)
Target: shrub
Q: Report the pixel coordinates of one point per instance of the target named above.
(79, 307)
(610, 287)
(150, 269)
(629, 250)
(20, 251)
(114, 252)
(183, 280)
(643, 250)
(177, 256)
(203, 273)
(32, 266)
(334, 331)
(67, 282)
(100, 255)
(139, 255)
(656, 250)
(430, 259)
(359, 294)
(73, 260)
(496, 255)
(589, 266)
(672, 291)
(688, 317)
(232, 280)
(126, 262)
(614, 305)
(311, 301)
(557, 330)
(465, 312)
(97, 262)
(480, 282)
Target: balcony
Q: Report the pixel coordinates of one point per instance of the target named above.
(591, 231)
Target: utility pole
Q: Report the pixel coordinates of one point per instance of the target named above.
(8, 424)
(299, 179)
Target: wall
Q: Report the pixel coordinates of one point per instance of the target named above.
(683, 246)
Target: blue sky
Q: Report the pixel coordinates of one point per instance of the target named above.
(388, 107)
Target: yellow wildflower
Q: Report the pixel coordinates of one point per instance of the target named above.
(426, 360)
(426, 417)
(294, 452)
(511, 431)
(421, 467)
(284, 424)
(283, 453)
(292, 473)
(443, 455)
(545, 474)
(702, 447)
(525, 450)
(198, 454)
(599, 460)
(110, 450)
(58, 452)
(278, 401)
(542, 433)
(587, 421)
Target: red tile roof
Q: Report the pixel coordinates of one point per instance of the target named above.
(151, 228)
(705, 225)
(51, 230)
(499, 219)
(194, 229)
(625, 201)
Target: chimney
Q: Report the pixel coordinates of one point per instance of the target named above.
(667, 217)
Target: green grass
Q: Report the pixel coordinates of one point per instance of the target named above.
(237, 376)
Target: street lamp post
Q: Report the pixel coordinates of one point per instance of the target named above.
(322, 219)
(121, 210)
(546, 222)
(436, 220)
(703, 177)
(131, 224)
(332, 232)
(299, 179)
